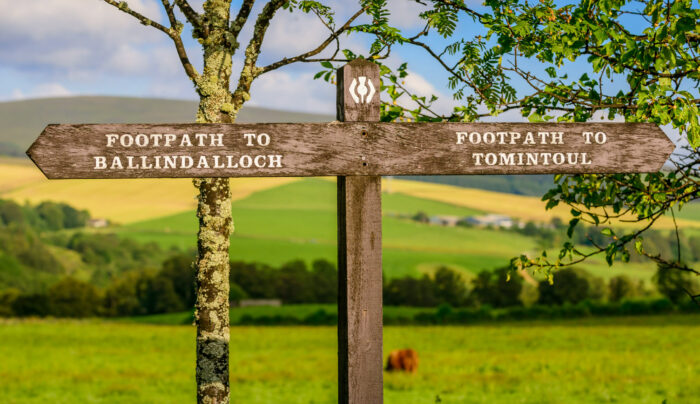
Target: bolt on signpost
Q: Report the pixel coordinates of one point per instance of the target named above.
(358, 149)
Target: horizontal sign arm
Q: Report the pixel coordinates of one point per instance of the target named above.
(340, 148)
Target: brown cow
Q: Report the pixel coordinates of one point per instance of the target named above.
(405, 360)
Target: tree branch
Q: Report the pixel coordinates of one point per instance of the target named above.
(242, 17)
(192, 16)
(252, 52)
(175, 34)
(304, 56)
(121, 5)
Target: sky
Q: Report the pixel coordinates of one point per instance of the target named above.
(53, 48)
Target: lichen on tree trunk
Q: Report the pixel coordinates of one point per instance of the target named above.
(215, 226)
(214, 213)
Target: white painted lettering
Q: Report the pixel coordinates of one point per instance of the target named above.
(461, 136)
(169, 139)
(116, 164)
(141, 140)
(217, 139)
(217, 164)
(170, 161)
(260, 161)
(246, 161)
(263, 139)
(275, 161)
(529, 138)
(185, 142)
(475, 138)
(249, 137)
(514, 137)
(145, 165)
(201, 137)
(601, 137)
(557, 137)
(186, 162)
(100, 162)
(111, 139)
(507, 159)
(558, 158)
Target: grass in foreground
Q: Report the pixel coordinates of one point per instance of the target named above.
(621, 360)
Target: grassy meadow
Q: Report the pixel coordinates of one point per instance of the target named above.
(622, 360)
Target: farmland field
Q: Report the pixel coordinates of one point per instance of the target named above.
(281, 219)
(620, 360)
(297, 221)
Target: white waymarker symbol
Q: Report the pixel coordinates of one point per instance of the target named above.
(362, 94)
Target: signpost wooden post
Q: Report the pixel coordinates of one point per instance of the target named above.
(359, 250)
(359, 150)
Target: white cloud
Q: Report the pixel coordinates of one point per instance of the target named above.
(42, 91)
(70, 35)
(405, 13)
(294, 92)
(420, 86)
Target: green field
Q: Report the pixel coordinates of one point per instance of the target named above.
(298, 221)
(621, 360)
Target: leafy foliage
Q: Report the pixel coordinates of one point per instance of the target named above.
(641, 64)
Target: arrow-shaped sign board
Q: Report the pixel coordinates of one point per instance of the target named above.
(340, 148)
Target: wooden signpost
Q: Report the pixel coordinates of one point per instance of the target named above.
(359, 150)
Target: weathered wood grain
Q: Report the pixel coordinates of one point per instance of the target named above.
(360, 359)
(352, 148)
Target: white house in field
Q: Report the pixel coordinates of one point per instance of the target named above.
(97, 223)
(491, 220)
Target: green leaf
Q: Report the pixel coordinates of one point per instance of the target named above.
(607, 232)
(572, 226)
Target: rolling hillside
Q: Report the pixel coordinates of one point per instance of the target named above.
(298, 221)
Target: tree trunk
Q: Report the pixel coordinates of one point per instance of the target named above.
(215, 221)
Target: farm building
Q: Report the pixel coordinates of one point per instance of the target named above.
(491, 220)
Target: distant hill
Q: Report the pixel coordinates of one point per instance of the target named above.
(529, 185)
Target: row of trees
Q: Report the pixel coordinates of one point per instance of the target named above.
(503, 287)
(44, 216)
(135, 292)
(171, 289)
